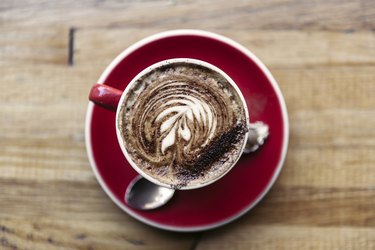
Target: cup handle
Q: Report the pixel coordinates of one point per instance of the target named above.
(105, 96)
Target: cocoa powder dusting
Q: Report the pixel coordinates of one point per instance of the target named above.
(212, 153)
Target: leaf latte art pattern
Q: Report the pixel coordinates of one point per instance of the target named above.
(174, 113)
(183, 114)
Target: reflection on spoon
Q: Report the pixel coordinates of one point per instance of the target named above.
(144, 195)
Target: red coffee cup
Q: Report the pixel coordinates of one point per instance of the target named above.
(111, 98)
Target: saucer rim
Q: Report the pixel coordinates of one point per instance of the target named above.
(243, 50)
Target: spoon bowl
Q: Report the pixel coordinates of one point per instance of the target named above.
(144, 195)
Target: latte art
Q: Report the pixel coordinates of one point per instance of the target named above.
(179, 113)
(173, 116)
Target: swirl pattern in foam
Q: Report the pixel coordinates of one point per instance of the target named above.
(173, 116)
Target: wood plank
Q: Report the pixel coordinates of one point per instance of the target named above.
(337, 128)
(38, 150)
(22, 46)
(41, 85)
(329, 167)
(347, 110)
(321, 88)
(43, 160)
(287, 204)
(32, 233)
(65, 123)
(335, 87)
(281, 49)
(307, 205)
(288, 238)
(208, 14)
(33, 46)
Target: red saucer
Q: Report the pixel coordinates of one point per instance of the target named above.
(251, 178)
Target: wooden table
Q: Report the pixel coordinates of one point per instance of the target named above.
(322, 53)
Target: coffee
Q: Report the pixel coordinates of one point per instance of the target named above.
(183, 124)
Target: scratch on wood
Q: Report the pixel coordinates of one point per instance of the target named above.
(136, 242)
(30, 237)
(50, 240)
(196, 241)
(71, 46)
(36, 227)
(81, 236)
(4, 229)
(5, 243)
(349, 31)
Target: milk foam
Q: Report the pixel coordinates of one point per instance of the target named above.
(180, 111)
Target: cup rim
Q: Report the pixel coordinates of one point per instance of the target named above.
(221, 38)
(148, 70)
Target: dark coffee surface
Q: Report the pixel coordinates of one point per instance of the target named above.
(183, 124)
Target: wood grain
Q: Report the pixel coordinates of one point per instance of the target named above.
(281, 49)
(207, 14)
(21, 47)
(51, 234)
(322, 54)
(290, 237)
